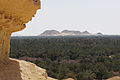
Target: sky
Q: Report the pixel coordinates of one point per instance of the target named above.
(91, 15)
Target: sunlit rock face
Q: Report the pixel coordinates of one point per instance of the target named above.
(22, 9)
(14, 14)
(114, 78)
(68, 79)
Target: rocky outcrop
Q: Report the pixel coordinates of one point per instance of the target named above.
(14, 14)
(114, 78)
(49, 78)
(68, 79)
(21, 11)
(13, 69)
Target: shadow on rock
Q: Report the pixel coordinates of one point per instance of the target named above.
(10, 70)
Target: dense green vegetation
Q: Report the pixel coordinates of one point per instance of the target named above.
(81, 58)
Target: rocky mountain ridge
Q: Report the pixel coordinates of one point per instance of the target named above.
(67, 33)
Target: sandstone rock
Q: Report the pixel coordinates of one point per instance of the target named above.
(23, 10)
(14, 14)
(21, 70)
(68, 79)
(49, 78)
(114, 78)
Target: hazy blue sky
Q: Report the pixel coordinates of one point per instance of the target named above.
(92, 15)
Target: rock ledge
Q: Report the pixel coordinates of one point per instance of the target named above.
(13, 69)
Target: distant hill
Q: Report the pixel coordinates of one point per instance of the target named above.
(86, 32)
(99, 33)
(70, 32)
(66, 33)
(50, 33)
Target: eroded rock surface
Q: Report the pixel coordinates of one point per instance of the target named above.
(23, 10)
(14, 14)
(21, 70)
(68, 79)
(114, 78)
